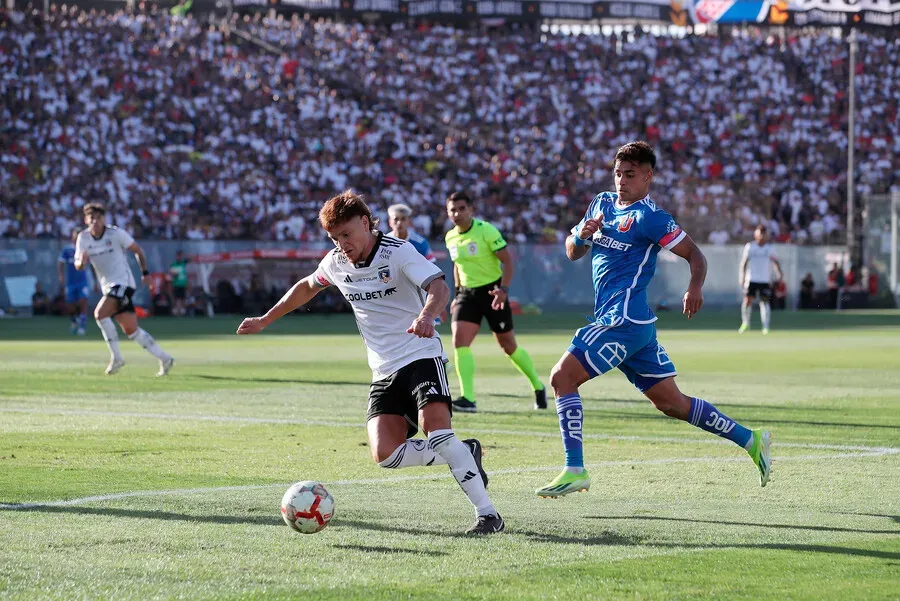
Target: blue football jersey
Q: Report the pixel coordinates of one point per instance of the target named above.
(623, 256)
(74, 278)
(421, 245)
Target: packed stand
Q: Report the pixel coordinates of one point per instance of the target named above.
(184, 131)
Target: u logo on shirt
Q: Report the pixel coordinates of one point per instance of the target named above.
(625, 223)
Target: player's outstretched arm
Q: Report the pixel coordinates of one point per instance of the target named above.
(576, 244)
(300, 293)
(438, 295)
(693, 298)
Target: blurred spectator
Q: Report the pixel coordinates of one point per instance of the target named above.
(178, 273)
(835, 285)
(807, 292)
(162, 302)
(853, 281)
(184, 131)
(779, 295)
(40, 303)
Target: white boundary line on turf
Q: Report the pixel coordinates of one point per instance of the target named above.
(402, 479)
(313, 422)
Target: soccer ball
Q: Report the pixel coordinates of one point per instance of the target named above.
(307, 507)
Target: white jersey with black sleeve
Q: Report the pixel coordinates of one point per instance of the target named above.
(759, 258)
(109, 256)
(386, 292)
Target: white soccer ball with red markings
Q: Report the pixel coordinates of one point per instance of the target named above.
(307, 507)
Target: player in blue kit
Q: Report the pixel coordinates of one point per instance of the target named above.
(75, 285)
(623, 232)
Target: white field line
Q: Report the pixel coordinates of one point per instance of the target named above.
(874, 452)
(335, 424)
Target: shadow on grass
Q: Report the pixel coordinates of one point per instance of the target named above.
(146, 514)
(601, 539)
(391, 550)
(655, 518)
(278, 380)
(895, 518)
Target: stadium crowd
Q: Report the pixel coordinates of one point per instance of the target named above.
(185, 130)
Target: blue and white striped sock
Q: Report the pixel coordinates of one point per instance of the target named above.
(704, 415)
(571, 418)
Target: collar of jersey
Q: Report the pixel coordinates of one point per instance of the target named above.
(620, 208)
(372, 254)
(471, 225)
(101, 233)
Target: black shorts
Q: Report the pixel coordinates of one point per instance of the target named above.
(408, 390)
(179, 292)
(123, 295)
(764, 289)
(473, 304)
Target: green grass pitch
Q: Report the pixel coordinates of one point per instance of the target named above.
(134, 487)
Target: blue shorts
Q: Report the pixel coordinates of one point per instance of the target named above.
(76, 293)
(631, 347)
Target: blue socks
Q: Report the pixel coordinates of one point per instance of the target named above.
(706, 417)
(571, 418)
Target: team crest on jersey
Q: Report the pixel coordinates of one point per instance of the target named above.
(472, 248)
(625, 222)
(384, 274)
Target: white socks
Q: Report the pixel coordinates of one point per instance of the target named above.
(108, 329)
(746, 311)
(764, 313)
(413, 452)
(146, 340)
(462, 466)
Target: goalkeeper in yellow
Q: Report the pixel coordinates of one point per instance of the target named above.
(478, 249)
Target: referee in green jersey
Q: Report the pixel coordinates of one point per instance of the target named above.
(477, 249)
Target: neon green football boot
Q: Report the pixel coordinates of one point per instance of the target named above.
(759, 453)
(564, 484)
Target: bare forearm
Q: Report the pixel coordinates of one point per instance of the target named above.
(438, 295)
(141, 259)
(698, 268)
(508, 271)
(299, 294)
(742, 270)
(574, 251)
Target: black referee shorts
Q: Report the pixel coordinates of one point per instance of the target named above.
(474, 304)
(407, 391)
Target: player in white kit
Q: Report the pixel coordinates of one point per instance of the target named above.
(106, 248)
(395, 293)
(758, 255)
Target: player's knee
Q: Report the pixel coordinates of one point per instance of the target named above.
(509, 346)
(381, 454)
(559, 381)
(98, 314)
(672, 405)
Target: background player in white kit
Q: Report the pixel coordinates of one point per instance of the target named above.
(758, 255)
(385, 280)
(106, 248)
